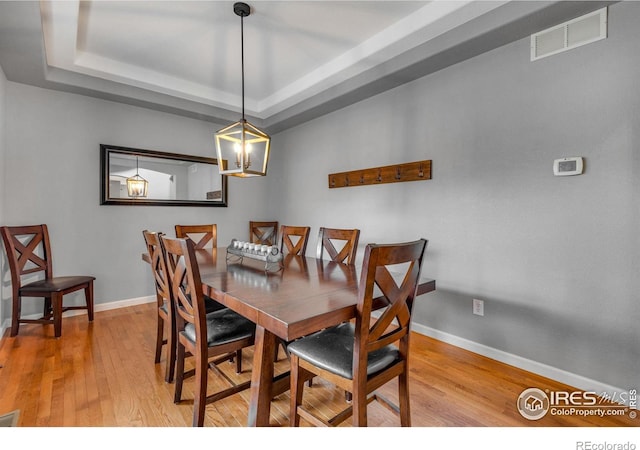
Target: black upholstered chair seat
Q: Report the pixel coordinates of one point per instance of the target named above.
(210, 305)
(223, 326)
(56, 284)
(332, 350)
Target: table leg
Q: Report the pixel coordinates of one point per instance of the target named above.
(261, 378)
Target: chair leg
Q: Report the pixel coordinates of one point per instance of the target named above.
(88, 293)
(15, 315)
(200, 395)
(169, 371)
(403, 397)
(46, 310)
(239, 361)
(359, 406)
(179, 372)
(56, 300)
(296, 390)
(159, 338)
(281, 344)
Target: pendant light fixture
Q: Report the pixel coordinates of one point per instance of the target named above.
(136, 185)
(243, 149)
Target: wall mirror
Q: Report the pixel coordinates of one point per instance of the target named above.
(172, 179)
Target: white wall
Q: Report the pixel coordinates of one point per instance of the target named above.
(554, 258)
(52, 176)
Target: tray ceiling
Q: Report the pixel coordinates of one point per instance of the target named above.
(302, 58)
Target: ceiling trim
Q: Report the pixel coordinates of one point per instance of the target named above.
(24, 60)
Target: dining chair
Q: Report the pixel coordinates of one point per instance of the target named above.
(360, 357)
(165, 309)
(28, 251)
(211, 338)
(206, 236)
(164, 304)
(264, 233)
(295, 254)
(202, 235)
(347, 241)
(294, 239)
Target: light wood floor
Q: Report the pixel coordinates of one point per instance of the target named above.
(102, 374)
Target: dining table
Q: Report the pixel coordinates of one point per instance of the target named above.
(303, 295)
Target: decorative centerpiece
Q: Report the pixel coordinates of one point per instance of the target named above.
(270, 254)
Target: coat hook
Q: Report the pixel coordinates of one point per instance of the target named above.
(333, 182)
(346, 181)
(361, 178)
(421, 172)
(398, 173)
(379, 178)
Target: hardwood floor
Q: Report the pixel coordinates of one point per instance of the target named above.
(102, 375)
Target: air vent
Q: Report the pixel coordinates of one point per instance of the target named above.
(574, 33)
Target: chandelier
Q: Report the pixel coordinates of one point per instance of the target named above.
(136, 185)
(242, 148)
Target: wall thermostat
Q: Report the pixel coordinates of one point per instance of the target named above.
(567, 166)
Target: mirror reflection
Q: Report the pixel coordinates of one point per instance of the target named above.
(168, 178)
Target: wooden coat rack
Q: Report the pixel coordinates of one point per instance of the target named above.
(397, 173)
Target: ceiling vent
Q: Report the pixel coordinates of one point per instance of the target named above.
(574, 33)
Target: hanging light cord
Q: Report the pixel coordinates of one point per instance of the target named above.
(242, 58)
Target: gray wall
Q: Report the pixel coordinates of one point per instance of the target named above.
(3, 83)
(554, 258)
(52, 175)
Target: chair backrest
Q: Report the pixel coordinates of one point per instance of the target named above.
(158, 267)
(200, 234)
(294, 239)
(392, 325)
(28, 251)
(265, 233)
(186, 285)
(327, 237)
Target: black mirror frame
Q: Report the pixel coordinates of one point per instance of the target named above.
(106, 150)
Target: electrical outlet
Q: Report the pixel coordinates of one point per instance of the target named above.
(478, 307)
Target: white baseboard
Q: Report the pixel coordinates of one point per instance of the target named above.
(97, 308)
(124, 303)
(571, 379)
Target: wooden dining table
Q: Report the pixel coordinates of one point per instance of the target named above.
(307, 295)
